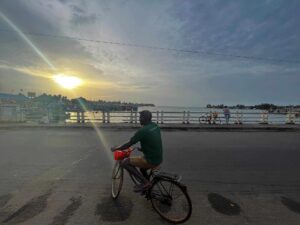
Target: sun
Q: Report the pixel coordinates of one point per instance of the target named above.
(68, 82)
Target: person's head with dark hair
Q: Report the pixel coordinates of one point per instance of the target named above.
(145, 117)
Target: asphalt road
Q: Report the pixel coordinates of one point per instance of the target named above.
(62, 176)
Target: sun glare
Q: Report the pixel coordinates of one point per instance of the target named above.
(68, 82)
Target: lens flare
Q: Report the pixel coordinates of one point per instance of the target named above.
(68, 82)
(29, 42)
(100, 135)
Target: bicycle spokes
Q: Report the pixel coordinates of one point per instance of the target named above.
(171, 201)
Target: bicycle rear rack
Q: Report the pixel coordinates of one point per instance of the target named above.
(165, 175)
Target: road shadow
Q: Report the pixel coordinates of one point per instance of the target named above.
(64, 216)
(32, 208)
(114, 210)
(223, 205)
(291, 204)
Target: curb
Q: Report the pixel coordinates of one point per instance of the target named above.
(187, 127)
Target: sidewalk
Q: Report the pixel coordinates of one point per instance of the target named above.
(204, 127)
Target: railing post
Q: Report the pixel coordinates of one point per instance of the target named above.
(94, 117)
(290, 118)
(135, 117)
(108, 117)
(242, 117)
(162, 117)
(103, 117)
(157, 117)
(264, 118)
(238, 118)
(78, 117)
(183, 118)
(131, 116)
(188, 117)
(82, 115)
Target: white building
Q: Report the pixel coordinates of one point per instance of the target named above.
(11, 113)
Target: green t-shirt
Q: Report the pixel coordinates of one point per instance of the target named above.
(150, 139)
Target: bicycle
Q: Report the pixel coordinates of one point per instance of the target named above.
(168, 196)
(205, 119)
(209, 119)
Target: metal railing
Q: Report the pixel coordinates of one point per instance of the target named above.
(184, 117)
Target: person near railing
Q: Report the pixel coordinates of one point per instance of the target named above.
(226, 114)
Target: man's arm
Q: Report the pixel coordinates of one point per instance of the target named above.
(138, 136)
(123, 147)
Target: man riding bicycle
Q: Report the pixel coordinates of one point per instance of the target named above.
(151, 145)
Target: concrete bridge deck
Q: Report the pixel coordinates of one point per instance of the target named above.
(62, 176)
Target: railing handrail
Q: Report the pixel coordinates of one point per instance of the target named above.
(185, 116)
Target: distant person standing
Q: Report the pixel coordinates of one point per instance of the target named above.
(226, 114)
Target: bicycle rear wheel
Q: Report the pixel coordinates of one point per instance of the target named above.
(171, 200)
(117, 180)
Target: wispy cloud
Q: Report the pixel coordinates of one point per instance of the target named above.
(262, 29)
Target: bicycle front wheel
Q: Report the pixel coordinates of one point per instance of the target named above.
(171, 201)
(117, 180)
(202, 120)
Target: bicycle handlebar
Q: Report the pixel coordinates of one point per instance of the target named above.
(128, 149)
(122, 154)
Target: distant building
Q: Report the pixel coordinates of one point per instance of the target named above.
(10, 107)
(11, 113)
(31, 94)
(10, 98)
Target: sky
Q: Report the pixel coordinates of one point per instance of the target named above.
(213, 34)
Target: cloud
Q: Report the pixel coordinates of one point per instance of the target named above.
(263, 29)
(81, 16)
(20, 80)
